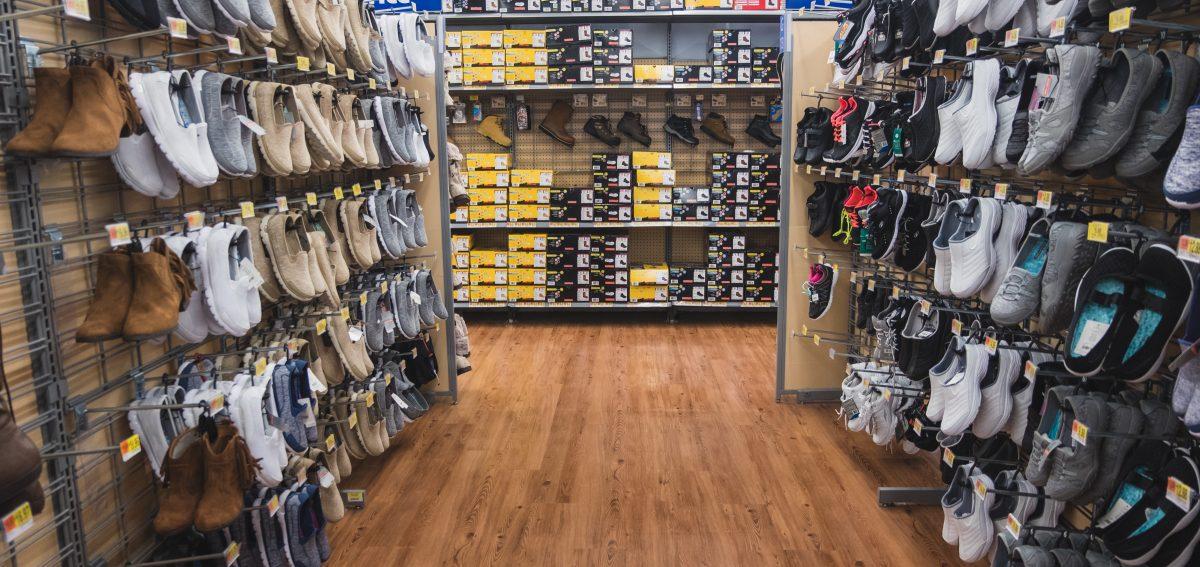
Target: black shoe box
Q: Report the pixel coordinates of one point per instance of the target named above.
(730, 161)
(614, 261)
(764, 179)
(610, 294)
(764, 74)
(731, 196)
(568, 294)
(533, 6)
(612, 196)
(693, 74)
(612, 74)
(570, 196)
(612, 162)
(691, 274)
(746, 179)
(760, 276)
(563, 243)
(729, 213)
(687, 291)
(729, 38)
(616, 5)
(569, 74)
(758, 259)
(569, 55)
(726, 240)
(476, 6)
(569, 277)
(731, 55)
(731, 74)
(619, 37)
(612, 55)
(726, 275)
(613, 213)
(665, 4)
(762, 213)
(610, 277)
(725, 259)
(612, 179)
(759, 293)
(691, 212)
(764, 56)
(570, 35)
(725, 292)
(571, 213)
(568, 260)
(614, 243)
(691, 195)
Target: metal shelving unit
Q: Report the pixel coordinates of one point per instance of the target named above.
(641, 224)
(618, 86)
(693, 16)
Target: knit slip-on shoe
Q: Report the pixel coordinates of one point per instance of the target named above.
(143, 167)
(161, 97)
(1020, 292)
(198, 13)
(401, 210)
(407, 311)
(417, 47)
(1111, 108)
(335, 232)
(389, 27)
(1075, 464)
(326, 98)
(351, 137)
(1013, 221)
(319, 252)
(289, 255)
(317, 133)
(224, 126)
(231, 279)
(359, 234)
(1153, 138)
(331, 365)
(1048, 436)
(267, 109)
(420, 236)
(1124, 420)
(269, 290)
(430, 296)
(405, 129)
(358, 37)
(387, 229)
(1068, 257)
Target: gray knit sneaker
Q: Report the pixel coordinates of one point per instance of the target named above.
(1111, 108)
(1182, 183)
(1160, 116)
(1053, 122)
(1021, 290)
(1069, 256)
(1074, 464)
(1048, 436)
(224, 127)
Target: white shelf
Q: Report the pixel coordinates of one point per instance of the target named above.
(641, 224)
(604, 17)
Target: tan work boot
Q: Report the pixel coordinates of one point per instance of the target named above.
(714, 125)
(492, 128)
(555, 122)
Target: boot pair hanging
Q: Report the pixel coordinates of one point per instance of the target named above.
(138, 295)
(78, 112)
(206, 474)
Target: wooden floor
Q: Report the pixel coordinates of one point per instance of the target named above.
(643, 444)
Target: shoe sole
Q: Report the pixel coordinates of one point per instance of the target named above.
(547, 132)
(672, 131)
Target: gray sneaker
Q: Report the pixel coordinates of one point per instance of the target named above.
(393, 134)
(1052, 123)
(400, 199)
(1020, 291)
(407, 312)
(1074, 465)
(1047, 438)
(418, 217)
(1181, 185)
(1122, 419)
(1111, 108)
(1068, 257)
(1034, 556)
(428, 299)
(241, 103)
(262, 16)
(390, 240)
(198, 13)
(224, 128)
(1160, 115)
(373, 320)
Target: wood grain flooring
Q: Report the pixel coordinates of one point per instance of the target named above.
(581, 443)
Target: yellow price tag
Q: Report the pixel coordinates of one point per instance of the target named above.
(378, 184)
(956, 326)
(837, 172)
(350, 73)
(247, 209)
(371, 83)
(1030, 370)
(948, 457)
(331, 69)
(817, 339)
(992, 344)
(900, 175)
(387, 378)
(1188, 248)
(178, 27)
(895, 293)
(854, 175)
(346, 313)
(118, 234)
(939, 56)
(1097, 231)
(338, 194)
(1013, 525)
(1178, 493)
(302, 63)
(353, 420)
(932, 180)
(217, 403)
(383, 286)
(260, 366)
(1044, 199)
(356, 496)
(964, 185)
(311, 199)
(362, 299)
(823, 169)
(233, 550)
(370, 398)
(904, 63)
(1079, 432)
(875, 179)
(233, 45)
(281, 203)
(916, 426)
(972, 46)
(1119, 20)
(195, 220)
(356, 189)
(808, 169)
(1001, 191)
(321, 325)
(273, 505)
(980, 488)
(130, 447)
(18, 522)
(1058, 27)
(330, 442)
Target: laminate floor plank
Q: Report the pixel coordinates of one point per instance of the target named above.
(633, 444)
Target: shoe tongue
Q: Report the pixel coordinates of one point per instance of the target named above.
(248, 276)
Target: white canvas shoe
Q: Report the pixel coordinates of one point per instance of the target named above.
(232, 290)
(995, 394)
(950, 142)
(1047, 12)
(961, 391)
(977, 118)
(139, 162)
(971, 248)
(975, 530)
(170, 108)
(417, 48)
(1007, 242)
(393, 41)
(952, 363)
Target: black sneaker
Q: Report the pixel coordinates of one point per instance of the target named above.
(933, 222)
(760, 129)
(927, 336)
(821, 280)
(926, 14)
(864, 300)
(820, 213)
(852, 138)
(810, 114)
(818, 136)
(909, 30)
(599, 128)
(1145, 512)
(1158, 305)
(681, 128)
(920, 131)
(631, 125)
(912, 239)
(883, 36)
(854, 26)
(884, 221)
(1020, 121)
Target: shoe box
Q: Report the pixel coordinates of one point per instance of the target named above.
(526, 75)
(570, 74)
(524, 38)
(569, 35)
(472, 6)
(528, 213)
(529, 195)
(732, 74)
(619, 37)
(482, 160)
(653, 73)
(731, 55)
(488, 294)
(534, 241)
(487, 213)
(531, 178)
(612, 179)
(612, 74)
(764, 73)
(750, 161)
(697, 74)
(462, 242)
(530, 293)
(649, 160)
(613, 56)
(725, 38)
(569, 55)
(488, 195)
(745, 187)
(612, 213)
(688, 282)
(612, 162)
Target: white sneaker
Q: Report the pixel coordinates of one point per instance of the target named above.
(232, 281)
(1047, 13)
(389, 26)
(961, 392)
(142, 166)
(966, 11)
(956, 493)
(952, 363)
(975, 531)
(943, 271)
(417, 49)
(170, 108)
(1026, 18)
(1018, 419)
(264, 441)
(978, 24)
(1000, 12)
(996, 395)
(946, 19)
(950, 142)
(853, 395)
(1007, 242)
(977, 119)
(881, 420)
(971, 249)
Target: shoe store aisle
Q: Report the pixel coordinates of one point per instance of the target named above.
(632, 443)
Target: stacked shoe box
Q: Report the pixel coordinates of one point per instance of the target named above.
(471, 6)
(745, 187)
(527, 274)
(612, 187)
(587, 268)
(652, 192)
(610, 268)
(688, 282)
(460, 246)
(691, 203)
(593, 5)
(526, 58)
(488, 179)
(488, 276)
(529, 195)
(733, 59)
(581, 54)
(476, 57)
(649, 283)
(737, 273)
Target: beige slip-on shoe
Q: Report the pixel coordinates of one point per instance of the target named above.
(326, 98)
(289, 254)
(339, 251)
(359, 235)
(269, 290)
(275, 144)
(352, 146)
(304, 17)
(320, 250)
(320, 139)
(330, 361)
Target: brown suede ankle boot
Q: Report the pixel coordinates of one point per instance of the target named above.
(160, 293)
(185, 483)
(110, 303)
(50, 108)
(93, 127)
(21, 469)
(228, 471)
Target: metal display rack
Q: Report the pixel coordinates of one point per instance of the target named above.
(663, 37)
(72, 398)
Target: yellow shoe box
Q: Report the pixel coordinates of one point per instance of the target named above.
(462, 242)
(526, 259)
(649, 195)
(524, 56)
(529, 195)
(528, 213)
(650, 274)
(461, 214)
(531, 177)
(488, 195)
(645, 73)
(524, 38)
(462, 277)
(539, 75)
(648, 293)
(489, 276)
(655, 177)
(482, 76)
(481, 38)
(487, 178)
(534, 241)
(526, 276)
(652, 160)
(462, 294)
(480, 160)
(483, 57)
(489, 293)
(489, 213)
(462, 260)
(652, 212)
(707, 4)
(489, 258)
(527, 293)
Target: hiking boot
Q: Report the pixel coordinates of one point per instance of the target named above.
(492, 128)
(599, 128)
(760, 129)
(555, 122)
(631, 125)
(681, 128)
(714, 125)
